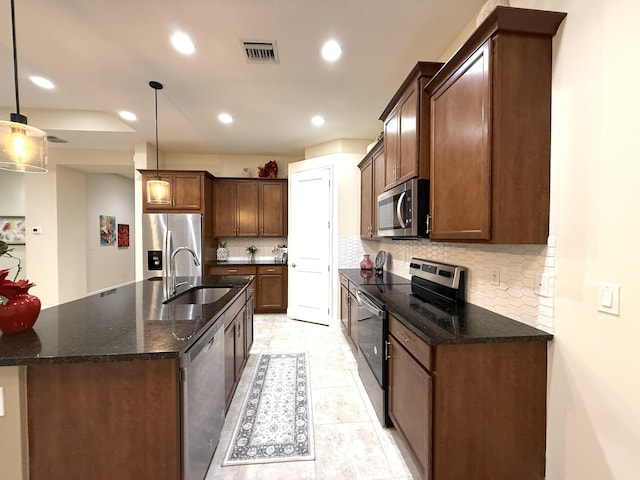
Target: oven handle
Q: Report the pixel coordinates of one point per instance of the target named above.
(364, 302)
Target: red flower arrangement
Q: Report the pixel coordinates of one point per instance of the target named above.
(270, 170)
(9, 289)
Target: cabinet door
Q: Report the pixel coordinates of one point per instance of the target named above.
(186, 191)
(248, 327)
(353, 319)
(273, 209)
(344, 308)
(271, 289)
(391, 148)
(247, 208)
(239, 348)
(229, 361)
(224, 209)
(460, 153)
(407, 164)
(366, 200)
(410, 403)
(378, 186)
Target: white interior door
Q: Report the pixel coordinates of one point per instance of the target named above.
(310, 203)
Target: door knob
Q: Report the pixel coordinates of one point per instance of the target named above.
(293, 265)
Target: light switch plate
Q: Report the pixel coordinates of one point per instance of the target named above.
(608, 298)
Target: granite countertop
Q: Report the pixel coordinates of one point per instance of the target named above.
(438, 323)
(368, 277)
(238, 261)
(128, 322)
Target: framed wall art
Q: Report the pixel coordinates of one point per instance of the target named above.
(107, 230)
(12, 230)
(123, 235)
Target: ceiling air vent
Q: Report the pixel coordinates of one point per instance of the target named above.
(256, 51)
(54, 139)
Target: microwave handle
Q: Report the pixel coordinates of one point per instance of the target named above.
(401, 200)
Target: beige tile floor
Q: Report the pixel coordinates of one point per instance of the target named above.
(350, 443)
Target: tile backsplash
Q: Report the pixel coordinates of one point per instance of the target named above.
(238, 247)
(521, 270)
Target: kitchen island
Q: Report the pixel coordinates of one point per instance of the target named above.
(103, 379)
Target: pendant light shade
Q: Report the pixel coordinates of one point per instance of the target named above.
(158, 190)
(22, 148)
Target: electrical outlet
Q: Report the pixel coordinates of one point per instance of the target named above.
(495, 275)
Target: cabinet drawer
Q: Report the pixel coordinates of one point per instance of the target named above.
(270, 270)
(233, 270)
(409, 340)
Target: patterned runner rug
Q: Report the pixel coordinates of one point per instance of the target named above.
(275, 423)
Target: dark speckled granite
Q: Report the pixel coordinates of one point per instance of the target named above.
(125, 323)
(245, 262)
(441, 324)
(368, 277)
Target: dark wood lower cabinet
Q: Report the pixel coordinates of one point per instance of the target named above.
(77, 411)
(470, 411)
(349, 312)
(238, 339)
(271, 286)
(410, 402)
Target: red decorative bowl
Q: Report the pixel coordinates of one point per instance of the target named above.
(19, 313)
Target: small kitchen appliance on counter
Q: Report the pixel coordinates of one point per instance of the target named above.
(381, 257)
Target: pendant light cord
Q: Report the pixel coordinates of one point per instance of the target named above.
(156, 86)
(157, 146)
(15, 57)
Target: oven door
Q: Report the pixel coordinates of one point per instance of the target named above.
(372, 363)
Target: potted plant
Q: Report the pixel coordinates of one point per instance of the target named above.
(18, 309)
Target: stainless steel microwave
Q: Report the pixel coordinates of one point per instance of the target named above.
(403, 211)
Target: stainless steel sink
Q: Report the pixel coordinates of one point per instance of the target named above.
(200, 295)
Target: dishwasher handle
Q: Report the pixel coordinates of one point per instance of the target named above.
(364, 302)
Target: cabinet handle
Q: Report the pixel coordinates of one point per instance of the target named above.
(232, 270)
(428, 223)
(271, 270)
(405, 339)
(387, 350)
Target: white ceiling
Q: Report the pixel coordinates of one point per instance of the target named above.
(101, 55)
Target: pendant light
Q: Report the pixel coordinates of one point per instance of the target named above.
(22, 148)
(158, 190)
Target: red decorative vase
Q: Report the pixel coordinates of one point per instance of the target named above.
(19, 313)
(366, 263)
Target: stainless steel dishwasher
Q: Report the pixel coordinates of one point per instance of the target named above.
(203, 401)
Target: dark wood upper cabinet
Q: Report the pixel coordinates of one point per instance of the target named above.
(406, 128)
(491, 132)
(190, 190)
(250, 208)
(372, 177)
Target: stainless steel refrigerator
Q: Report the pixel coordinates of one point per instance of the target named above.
(162, 233)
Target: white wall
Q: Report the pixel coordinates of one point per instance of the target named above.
(61, 202)
(12, 205)
(225, 165)
(109, 265)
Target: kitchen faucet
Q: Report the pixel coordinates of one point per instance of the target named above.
(172, 267)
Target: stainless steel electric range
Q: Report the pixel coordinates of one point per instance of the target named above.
(440, 286)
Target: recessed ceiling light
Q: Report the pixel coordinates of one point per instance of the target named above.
(42, 82)
(130, 116)
(182, 43)
(331, 51)
(225, 118)
(317, 121)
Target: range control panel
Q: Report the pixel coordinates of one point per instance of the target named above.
(442, 273)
